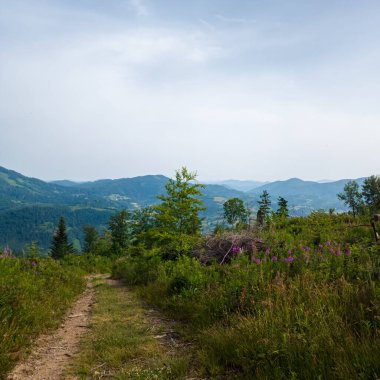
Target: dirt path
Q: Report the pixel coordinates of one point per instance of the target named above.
(52, 353)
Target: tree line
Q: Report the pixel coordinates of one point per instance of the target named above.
(174, 225)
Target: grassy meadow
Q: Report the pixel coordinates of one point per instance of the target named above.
(307, 306)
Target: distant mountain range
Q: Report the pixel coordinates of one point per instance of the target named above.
(30, 208)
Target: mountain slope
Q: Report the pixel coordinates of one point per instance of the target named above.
(30, 208)
(305, 196)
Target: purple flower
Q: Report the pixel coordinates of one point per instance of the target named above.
(338, 253)
(289, 252)
(348, 253)
(236, 250)
(290, 259)
(267, 251)
(274, 258)
(303, 249)
(320, 246)
(6, 252)
(328, 242)
(257, 261)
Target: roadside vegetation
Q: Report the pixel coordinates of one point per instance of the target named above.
(35, 292)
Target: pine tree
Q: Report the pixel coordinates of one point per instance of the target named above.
(264, 207)
(282, 207)
(60, 244)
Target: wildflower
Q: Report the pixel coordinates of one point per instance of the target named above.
(320, 246)
(267, 251)
(348, 253)
(6, 253)
(338, 253)
(274, 258)
(328, 242)
(289, 252)
(257, 261)
(236, 250)
(303, 249)
(290, 259)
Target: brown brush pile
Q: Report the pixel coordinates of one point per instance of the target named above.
(221, 248)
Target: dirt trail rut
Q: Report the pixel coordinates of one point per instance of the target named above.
(52, 353)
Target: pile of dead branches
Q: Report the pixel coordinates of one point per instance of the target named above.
(221, 248)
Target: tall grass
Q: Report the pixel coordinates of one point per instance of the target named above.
(33, 296)
(306, 308)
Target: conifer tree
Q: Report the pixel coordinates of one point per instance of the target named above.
(282, 207)
(264, 207)
(60, 244)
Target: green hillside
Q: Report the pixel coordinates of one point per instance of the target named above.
(30, 208)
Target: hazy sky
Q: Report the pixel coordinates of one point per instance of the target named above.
(254, 89)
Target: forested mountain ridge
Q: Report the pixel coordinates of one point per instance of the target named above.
(30, 208)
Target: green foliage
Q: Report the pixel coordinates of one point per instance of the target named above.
(177, 216)
(235, 211)
(371, 193)
(264, 207)
(91, 236)
(32, 251)
(352, 197)
(282, 210)
(308, 306)
(60, 244)
(179, 208)
(120, 231)
(141, 268)
(33, 297)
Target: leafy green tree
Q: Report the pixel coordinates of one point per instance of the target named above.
(91, 236)
(235, 211)
(264, 207)
(371, 193)
(352, 197)
(120, 231)
(60, 245)
(178, 223)
(282, 210)
(179, 208)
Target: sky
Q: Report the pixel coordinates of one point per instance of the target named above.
(260, 89)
